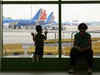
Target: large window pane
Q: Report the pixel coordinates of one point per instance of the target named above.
(30, 0)
(18, 23)
(80, 0)
(72, 16)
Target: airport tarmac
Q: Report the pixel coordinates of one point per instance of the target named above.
(25, 37)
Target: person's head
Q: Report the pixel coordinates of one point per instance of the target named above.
(82, 27)
(39, 29)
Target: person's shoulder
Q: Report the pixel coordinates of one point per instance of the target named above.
(88, 34)
(77, 34)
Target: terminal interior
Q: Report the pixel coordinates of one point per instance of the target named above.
(17, 47)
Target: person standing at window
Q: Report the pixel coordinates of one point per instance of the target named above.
(39, 43)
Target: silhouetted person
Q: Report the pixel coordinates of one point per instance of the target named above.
(39, 42)
(82, 47)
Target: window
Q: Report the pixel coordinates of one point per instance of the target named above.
(78, 13)
(30, 0)
(69, 20)
(79, 0)
(17, 28)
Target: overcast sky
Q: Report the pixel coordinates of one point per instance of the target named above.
(51, 0)
(28, 11)
(81, 12)
(80, 0)
(30, 0)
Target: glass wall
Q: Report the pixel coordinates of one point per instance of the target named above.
(20, 20)
(78, 13)
(30, 0)
(79, 0)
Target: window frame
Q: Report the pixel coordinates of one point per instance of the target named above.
(59, 3)
(60, 40)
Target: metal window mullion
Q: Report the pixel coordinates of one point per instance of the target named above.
(60, 45)
(1, 39)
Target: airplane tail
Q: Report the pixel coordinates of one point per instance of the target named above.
(40, 17)
(43, 15)
(35, 18)
(51, 18)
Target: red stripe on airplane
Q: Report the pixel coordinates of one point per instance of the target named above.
(43, 15)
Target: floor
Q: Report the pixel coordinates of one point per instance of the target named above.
(42, 73)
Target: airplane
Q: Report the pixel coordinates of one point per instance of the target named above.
(50, 19)
(8, 20)
(39, 18)
(42, 18)
(50, 22)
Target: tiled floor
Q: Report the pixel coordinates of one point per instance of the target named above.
(42, 73)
